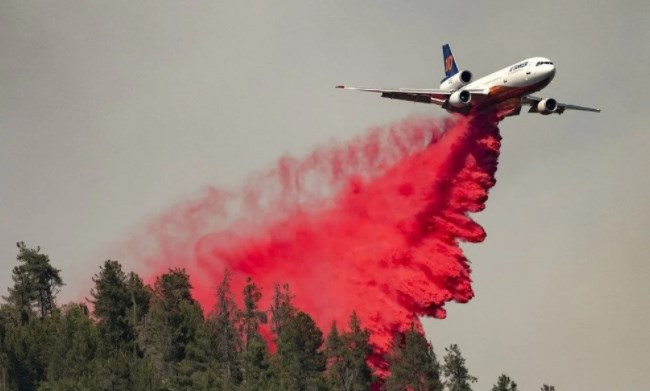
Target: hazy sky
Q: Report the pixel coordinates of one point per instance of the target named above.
(110, 112)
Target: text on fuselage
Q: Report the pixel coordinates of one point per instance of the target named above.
(518, 66)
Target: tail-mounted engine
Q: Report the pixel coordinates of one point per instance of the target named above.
(456, 81)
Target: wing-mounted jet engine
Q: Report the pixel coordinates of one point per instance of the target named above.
(547, 106)
(460, 98)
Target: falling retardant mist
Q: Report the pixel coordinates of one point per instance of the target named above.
(371, 226)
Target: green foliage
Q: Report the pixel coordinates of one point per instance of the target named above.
(36, 284)
(347, 356)
(112, 301)
(123, 371)
(457, 377)
(227, 338)
(29, 319)
(335, 362)
(255, 365)
(251, 316)
(21, 296)
(28, 350)
(74, 346)
(299, 363)
(102, 355)
(140, 296)
(281, 308)
(5, 317)
(143, 338)
(254, 356)
(504, 383)
(413, 364)
(174, 315)
(180, 342)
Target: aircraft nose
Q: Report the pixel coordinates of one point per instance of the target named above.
(551, 71)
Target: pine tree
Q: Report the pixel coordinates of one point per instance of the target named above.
(198, 369)
(74, 348)
(180, 347)
(29, 319)
(413, 364)
(158, 339)
(28, 348)
(21, 296)
(140, 296)
(504, 383)
(169, 313)
(456, 373)
(357, 341)
(281, 308)
(347, 356)
(334, 360)
(36, 284)
(4, 326)
(227, 339)
(121, 302)
(254, 355)
(112, 301)
(122, 371)
(251, 315)
(299, 363)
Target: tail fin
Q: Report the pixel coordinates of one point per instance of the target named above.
(450, 64)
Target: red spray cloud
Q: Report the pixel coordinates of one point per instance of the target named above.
(372, 226)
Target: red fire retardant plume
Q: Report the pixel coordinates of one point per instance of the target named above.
(372, 226)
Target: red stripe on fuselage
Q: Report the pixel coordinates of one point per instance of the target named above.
(499, 94)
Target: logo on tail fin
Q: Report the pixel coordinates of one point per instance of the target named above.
(449, 61)
(450, 64)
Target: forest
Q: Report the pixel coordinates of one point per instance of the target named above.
(134, 336)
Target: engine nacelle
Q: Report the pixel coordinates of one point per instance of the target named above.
(460, 98)
(547, 106)
(458, 80)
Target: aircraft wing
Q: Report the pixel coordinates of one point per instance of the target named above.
(414, 95)
(534, 100)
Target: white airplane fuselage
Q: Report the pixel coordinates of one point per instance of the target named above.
(513, 82)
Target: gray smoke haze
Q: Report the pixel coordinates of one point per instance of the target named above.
(110, 112)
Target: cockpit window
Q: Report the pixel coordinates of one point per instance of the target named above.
(543, 62)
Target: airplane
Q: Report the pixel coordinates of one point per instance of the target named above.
(507, 89)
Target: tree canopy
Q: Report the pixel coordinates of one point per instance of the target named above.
(133, 336)
(504, 383)
(413, 364)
